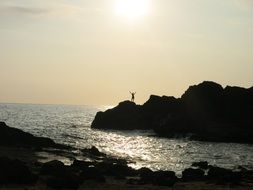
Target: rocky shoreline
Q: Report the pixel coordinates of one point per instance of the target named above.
(20, 168)
(205, 112)
(115, 173)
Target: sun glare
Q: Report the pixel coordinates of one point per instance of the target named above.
(132, 9)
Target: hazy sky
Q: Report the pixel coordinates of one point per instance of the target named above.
(95, 51)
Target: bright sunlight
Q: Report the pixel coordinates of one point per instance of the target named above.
(132, 9)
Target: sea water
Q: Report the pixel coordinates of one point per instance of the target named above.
(70, 125)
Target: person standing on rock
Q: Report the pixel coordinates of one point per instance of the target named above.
(132, 93)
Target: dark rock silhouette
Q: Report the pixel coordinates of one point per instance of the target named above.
(53, 167)
(93, 152)
(223, 176)
(164, 178)
(190, 174)
(15, 137)
(59, 176)
(126, 115)
(202, 165)
(206, 112)
(15, 172)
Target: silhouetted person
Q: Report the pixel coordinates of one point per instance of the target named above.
(132, 93)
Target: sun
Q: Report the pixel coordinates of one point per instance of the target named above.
(132, 9)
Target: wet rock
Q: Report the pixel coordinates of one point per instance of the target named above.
(202, 165)
(15, 172)
(93, 151)
(191, 174)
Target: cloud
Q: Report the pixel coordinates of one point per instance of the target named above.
(16, 9)
(47, 9)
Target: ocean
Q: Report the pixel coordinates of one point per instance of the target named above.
(70, 125)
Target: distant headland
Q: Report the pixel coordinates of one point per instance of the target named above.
(205, 112)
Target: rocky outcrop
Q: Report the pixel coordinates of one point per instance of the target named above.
(15, 137)
(211, 113)
(126, 116)
(206, 112)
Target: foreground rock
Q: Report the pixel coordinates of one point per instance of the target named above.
(114, 174)
(60, 176)
(15, 172)
(15, 137)
(207, 111)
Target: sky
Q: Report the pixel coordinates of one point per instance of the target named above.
(93, 52)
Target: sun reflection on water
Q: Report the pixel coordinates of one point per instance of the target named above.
(71, 125)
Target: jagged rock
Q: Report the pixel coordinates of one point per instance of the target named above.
(207, 111)
(15, 172)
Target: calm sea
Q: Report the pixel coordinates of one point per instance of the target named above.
(71, 125)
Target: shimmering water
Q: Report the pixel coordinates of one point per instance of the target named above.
(71, 125)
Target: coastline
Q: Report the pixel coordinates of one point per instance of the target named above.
(95, 180)
(30, 162)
